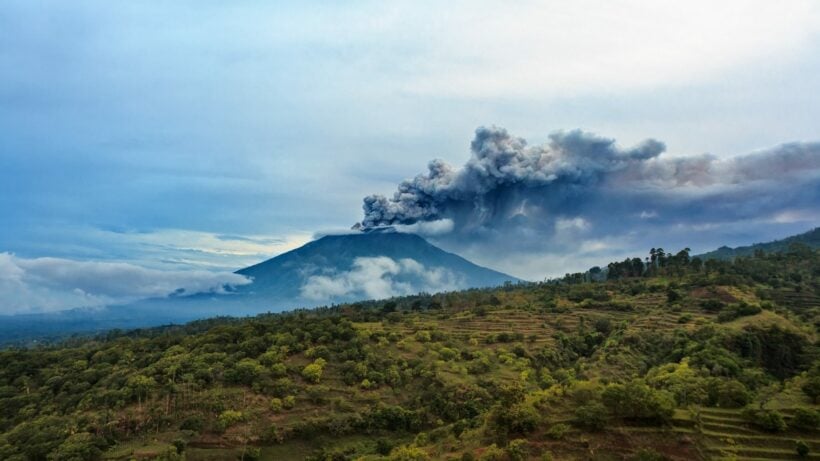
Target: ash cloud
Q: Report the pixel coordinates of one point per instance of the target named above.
(580, 189)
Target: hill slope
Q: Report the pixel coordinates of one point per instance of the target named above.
(810, 238)
(639, 368)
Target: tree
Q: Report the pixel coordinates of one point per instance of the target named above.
(313, 372)
(140, 387)
(812, 388)
(81, 446)
(806, 419)
(517, 419)
(768, 420)
(591, 416)
(729, 393)
(636, 400)
(246, 371)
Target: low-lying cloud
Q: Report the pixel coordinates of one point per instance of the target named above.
(380, 277)
(51, 284)
(581, 192)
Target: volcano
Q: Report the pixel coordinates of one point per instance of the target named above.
(338, 268)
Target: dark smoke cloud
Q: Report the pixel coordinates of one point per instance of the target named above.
(580, 190)
(499, 164)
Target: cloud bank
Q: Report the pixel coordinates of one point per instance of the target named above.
(581, 192)
(378, 278)
(50, 284)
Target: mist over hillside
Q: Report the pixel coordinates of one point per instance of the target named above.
(329, 270)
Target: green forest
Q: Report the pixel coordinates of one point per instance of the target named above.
(663, 356)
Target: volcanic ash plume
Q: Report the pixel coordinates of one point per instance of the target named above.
(524, 196)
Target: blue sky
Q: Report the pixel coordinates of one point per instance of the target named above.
(188, 136)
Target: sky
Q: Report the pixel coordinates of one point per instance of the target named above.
(190, 139)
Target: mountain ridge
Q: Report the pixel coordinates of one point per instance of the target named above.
(810, 238)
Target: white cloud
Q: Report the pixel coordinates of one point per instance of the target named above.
(548, 48)
(49, 284)
(378, 278)
(796, 216)
(171, 249)
(427, 228)
(571, 226)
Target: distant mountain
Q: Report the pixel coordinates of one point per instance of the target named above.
(810, 238)
(340, 261)
(331, 269)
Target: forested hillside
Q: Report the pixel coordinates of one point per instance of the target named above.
(810, 238)
(676, 358)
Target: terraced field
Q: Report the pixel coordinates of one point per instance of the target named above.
(794, 300)
(726, 435)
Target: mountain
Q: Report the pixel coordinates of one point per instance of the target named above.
(335, 260)
(329, 270)
(810, 238)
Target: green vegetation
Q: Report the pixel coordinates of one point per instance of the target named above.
(667, 358)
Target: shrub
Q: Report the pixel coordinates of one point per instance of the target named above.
(180, 445)
(246, 371)
(557, 431)
(492, 453)
(229, 418)
(276, 404)
(405, 453)
(250, 454)
(636, 400)
(729, 394)
(447, 354)
(517, 450)
(423, 336)
(479, 365)
(278, 370)
(734, 311)
(812, 388)
(80, 446)
(516, 419)
(192, 423)
(383, 447)
(313, 372)
(591, 416)
(802, 449)
(805, 418)
(712, 305)
(768, 420)
(273, 434)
